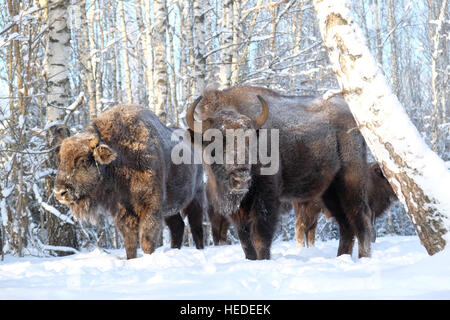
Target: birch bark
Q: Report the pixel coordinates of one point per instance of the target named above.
(226, 24)
(199, 51)
(159, 46)
(58, 90)
(126, 62)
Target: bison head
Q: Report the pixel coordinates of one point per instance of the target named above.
(232, 169)
(81, 159)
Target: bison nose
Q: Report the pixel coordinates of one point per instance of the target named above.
(239, 183)
(60, 194)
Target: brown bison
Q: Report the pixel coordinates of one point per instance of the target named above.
(122, 165)
(380, 195)
(320, 156)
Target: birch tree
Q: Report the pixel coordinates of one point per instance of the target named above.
(161, 93)
(126, 62)
(438, 75)
(226, 24)
(393, 38)
(58, 89)
(148, 53)
(85, 55)
(418, 176)
(199, 52)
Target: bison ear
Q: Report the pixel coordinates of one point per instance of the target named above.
(104, 154)
(62, 132)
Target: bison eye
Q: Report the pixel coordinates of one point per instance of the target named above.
(84, 162)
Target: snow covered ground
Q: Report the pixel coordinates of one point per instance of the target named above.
(399, 269)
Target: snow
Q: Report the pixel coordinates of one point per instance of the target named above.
(399, 268)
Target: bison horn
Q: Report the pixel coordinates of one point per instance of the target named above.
(192, 123)
(264, 114)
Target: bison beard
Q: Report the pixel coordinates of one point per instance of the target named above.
(121, 165)
(321, 156)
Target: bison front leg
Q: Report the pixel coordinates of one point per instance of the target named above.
(266, 218)
(242, 222)
(176, 227)
(127, 225)
(150, 228)
(219, 227)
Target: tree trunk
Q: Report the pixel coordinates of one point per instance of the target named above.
(159, 45)
(237, 35)
(226, 43)
(149, 65)
(393, 37)
(199, 54)
(126, 63)
(58, 59)
(85, 52)
(411, 167)
(378, 36)
(95, 57)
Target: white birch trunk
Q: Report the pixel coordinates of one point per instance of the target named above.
(190, 58)
(58, 89)
(88, 73)
(226, 43)
(95, 57)
(149, 66)
(126, 63)
(418, 176)
(199, 51)
(159, 46)
(237, 35)
(58, 56)
(435, 90)
(391, 20)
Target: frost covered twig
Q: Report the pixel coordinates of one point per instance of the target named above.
(50, 208)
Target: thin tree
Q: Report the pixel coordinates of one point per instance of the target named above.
(126, 62)
(159, 45)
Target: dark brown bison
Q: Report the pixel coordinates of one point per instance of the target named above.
(380, 196)
(122, 165)
(320, 156)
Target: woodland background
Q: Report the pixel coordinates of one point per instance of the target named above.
(65, 61)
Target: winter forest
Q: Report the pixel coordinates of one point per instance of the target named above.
(66, 61)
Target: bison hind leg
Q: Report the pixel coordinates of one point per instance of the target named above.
(194, 212)
(346, 235)
(311, 235)
(305, 224)
(351, 210)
